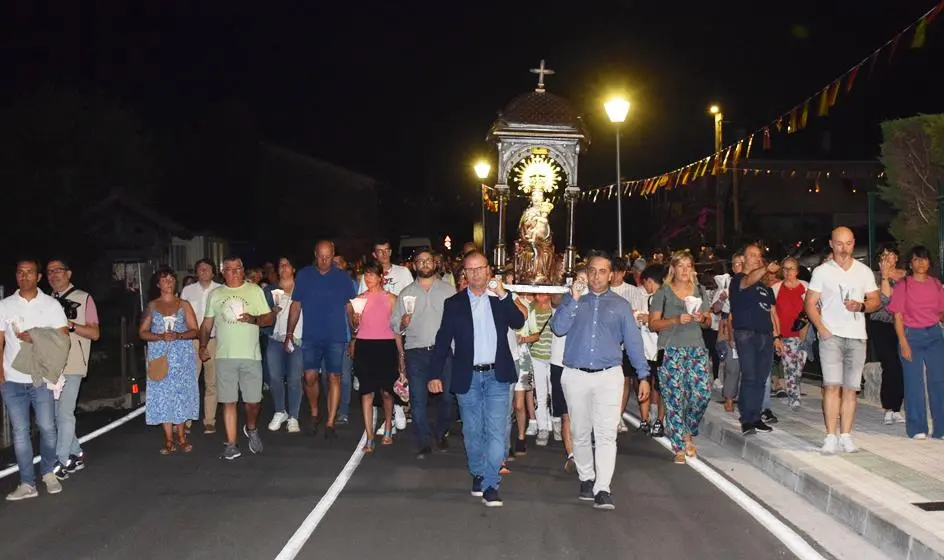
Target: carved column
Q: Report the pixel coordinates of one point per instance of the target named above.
(501, 257)
(570, 194)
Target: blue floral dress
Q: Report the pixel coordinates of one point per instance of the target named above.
(176, 398)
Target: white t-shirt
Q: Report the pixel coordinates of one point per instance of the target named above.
(196, 296)
(284, 301)
(834, 284)
(638, 299)
(623, 290)
(557, 350)
(395, 279)
(19, 315)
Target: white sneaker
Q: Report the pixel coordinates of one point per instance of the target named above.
(532, 428)
(399, 417)
(277, 420)
(22, 492)
(622, 428)
(898, 417)
(830, 445)
(380, 430)
(845, 441)
(292, 427)
(719, 384)
(889, 418)
(920, 436)
(558, 435)
(543, 436)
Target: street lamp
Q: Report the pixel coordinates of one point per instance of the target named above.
(482, 169)
(715, 110)
(616, 109)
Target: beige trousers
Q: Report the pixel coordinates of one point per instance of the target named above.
(209, 380)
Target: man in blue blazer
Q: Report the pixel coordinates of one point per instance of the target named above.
(477, 321)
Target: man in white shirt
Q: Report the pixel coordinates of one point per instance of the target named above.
(629, 293)
(841, 292)
(28, 308)
(395, 278)
(196, 295)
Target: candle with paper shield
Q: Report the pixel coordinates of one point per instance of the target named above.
(277, 296)
(692, 304)
(169, 322)
(236, 309)
(358, 305)
(409, 304)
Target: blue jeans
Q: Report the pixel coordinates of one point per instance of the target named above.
(927, 351)
(756, 358)
(417, 372)
(486, 416)
(17, 398)
(284, 370)
(66, 441)
(347, 368)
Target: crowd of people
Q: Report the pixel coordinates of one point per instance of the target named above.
(542, 364)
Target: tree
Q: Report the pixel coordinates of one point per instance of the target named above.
(913, 156)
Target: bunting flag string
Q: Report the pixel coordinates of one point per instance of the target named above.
(791, 121)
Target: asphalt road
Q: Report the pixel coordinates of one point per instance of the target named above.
(131, 502)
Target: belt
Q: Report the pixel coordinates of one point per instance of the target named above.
(483, 367)
(591, 370)
(427, 348)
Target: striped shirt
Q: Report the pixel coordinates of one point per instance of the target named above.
(542, 348)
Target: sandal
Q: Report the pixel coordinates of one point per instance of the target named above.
(368, 447)
(388, 438)
(680, 458)
(185, 445)
(169, 447)
(690, 450)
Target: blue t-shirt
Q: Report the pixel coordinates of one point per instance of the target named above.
(750, 308)
(324, 298)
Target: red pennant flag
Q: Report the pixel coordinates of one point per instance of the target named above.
(851, 76)
(891, 53)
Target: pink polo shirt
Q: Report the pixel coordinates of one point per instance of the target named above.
(920, 303)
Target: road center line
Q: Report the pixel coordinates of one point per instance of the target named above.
(790, 538)
(87, 437)
(308, 526)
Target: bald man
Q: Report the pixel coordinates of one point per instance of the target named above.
(841, 292)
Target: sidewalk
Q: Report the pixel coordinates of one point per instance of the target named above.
(872, 491)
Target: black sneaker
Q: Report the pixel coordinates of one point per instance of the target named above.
(491, 498)
(313, 425)
(658, 430)
(760, 426)
(603, 501)
(644, 427)
(477, 486)
(442, 444)
(521, 447)
(767, 416)
(77, 462)
(586, 491)
(422, 453)
(748, 429)
(60, 471)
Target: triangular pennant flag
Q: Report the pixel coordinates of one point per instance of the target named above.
(805, 114)
(851, 76)
(737, 153)
(750, 142)
(823, 102)
(767, 143)
(834, 92)
(920, 34)
(792, 126)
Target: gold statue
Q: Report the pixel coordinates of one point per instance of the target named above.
(534, 249)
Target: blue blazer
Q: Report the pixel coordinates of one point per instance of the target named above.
(456, 326)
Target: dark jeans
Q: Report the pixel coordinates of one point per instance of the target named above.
(417, 372)
(885, 344)
(756, 358)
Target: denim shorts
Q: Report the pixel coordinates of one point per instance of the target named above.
(330, 353)
(842, 360)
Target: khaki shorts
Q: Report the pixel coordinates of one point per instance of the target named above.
(238, 376)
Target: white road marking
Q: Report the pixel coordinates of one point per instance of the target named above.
(308, 526)
(790, 538)
(90, 436)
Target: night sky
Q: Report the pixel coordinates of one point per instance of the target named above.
(406, 94)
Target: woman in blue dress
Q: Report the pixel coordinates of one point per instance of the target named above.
(169, 325)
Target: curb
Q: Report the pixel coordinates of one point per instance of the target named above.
(890, 532)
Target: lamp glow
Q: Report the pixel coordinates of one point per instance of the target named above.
(714, 109)
(482, 169)
(617, 109)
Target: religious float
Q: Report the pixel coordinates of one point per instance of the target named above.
(539, 138)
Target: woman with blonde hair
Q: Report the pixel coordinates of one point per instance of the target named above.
(679, 312)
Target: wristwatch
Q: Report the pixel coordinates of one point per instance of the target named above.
(71, 327)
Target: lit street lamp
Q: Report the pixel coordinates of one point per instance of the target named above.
(617, 109)
(482, 169)
(715, 110)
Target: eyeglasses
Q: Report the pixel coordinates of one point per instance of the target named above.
(423, 261)
(476, 269)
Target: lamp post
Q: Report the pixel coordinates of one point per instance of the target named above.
(715, 110)
(617, 109)
(482, 169)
